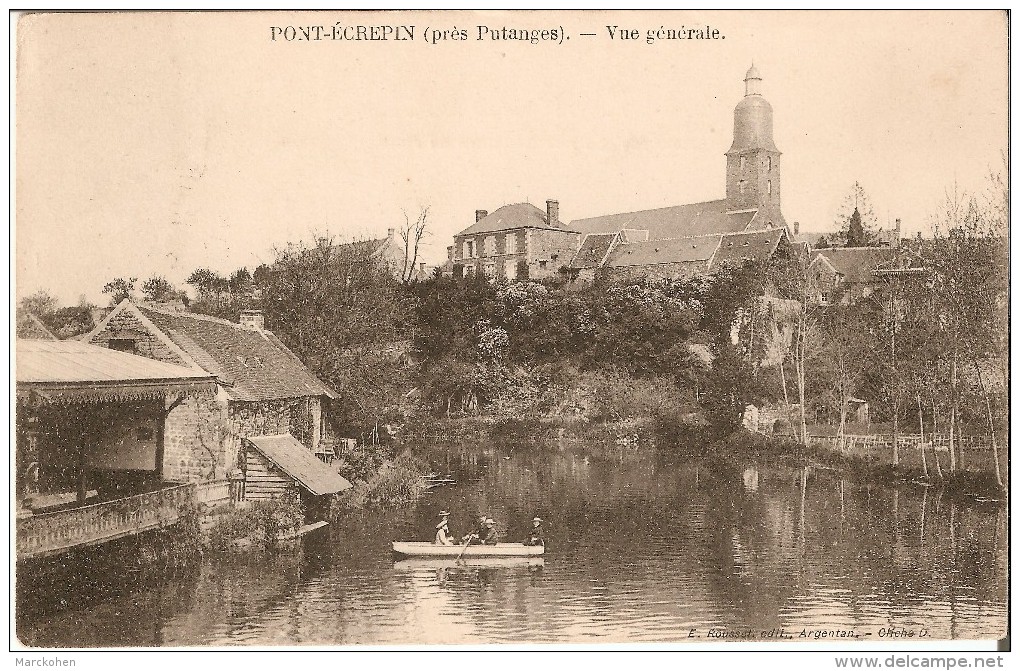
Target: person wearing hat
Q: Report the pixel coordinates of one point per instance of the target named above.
(490, 537)
(443, 529)
(475, 537)
(537, 536)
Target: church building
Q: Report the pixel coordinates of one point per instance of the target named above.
(698, 237)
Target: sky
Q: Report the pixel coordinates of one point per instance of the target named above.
(156, 143)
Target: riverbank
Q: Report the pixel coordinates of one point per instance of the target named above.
(971, 485)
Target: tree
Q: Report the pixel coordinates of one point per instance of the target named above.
(412, 233)
(845, 358)
(40, 303)
(336, 305)
(970, 288)
(855, 220)
(120, 288)
(159, 290)
(209, 285)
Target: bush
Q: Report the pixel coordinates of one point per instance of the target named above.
(256, 525)
(400, 481)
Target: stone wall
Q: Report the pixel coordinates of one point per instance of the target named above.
(300, 417)
(547, 251)
(660, 271)
(195, 445)
(127, 325)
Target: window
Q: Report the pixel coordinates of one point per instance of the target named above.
(510, 268)
(511, 243)
(770, 164)
(743, 186)
(469, 249)
(769, 186)
(490, 246)
(823, 298)
(469, 271)
(122, 344)
(542, 265)
(743, 162)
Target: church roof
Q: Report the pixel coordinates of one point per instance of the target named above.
(654, 252)
(679, 221)
(754, 245)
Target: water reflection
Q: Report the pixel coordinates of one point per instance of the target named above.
(638, 550)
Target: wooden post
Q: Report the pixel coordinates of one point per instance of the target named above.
(160, 444)
(86, 437)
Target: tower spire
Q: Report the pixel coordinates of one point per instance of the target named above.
(752, 81)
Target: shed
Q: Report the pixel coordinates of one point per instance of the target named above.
(278, 464)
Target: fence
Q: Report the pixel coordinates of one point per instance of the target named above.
(975, 451)
(52, 533)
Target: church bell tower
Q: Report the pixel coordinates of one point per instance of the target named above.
(752, 162)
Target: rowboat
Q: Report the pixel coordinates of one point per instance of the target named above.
(423, 549)
(404, 563)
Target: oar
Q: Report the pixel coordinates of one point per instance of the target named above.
(466, 544)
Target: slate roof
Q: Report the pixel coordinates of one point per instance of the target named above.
(510, 217)
(672, 222)
(70, 363)
(253, 365)
(654, 252)
(756, 245)
(593, 250)
(298, 462)
(856, 264)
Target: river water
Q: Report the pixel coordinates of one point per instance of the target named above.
(639, 549)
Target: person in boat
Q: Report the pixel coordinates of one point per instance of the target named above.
(537, 536)
(490, 537)
(443, 529)
(475, 537)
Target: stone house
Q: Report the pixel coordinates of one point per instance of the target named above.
(262, 389)
(846, 275)
(512, 238)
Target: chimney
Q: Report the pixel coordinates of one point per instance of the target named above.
(796, 228)
(480, 214)
(896, 241)
(391, 233)
(253, 319)
(552, 210)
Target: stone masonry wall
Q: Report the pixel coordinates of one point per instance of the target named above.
(296, 416)
(127, 325)
(660, 271)
(555, 248)
(196, 446)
